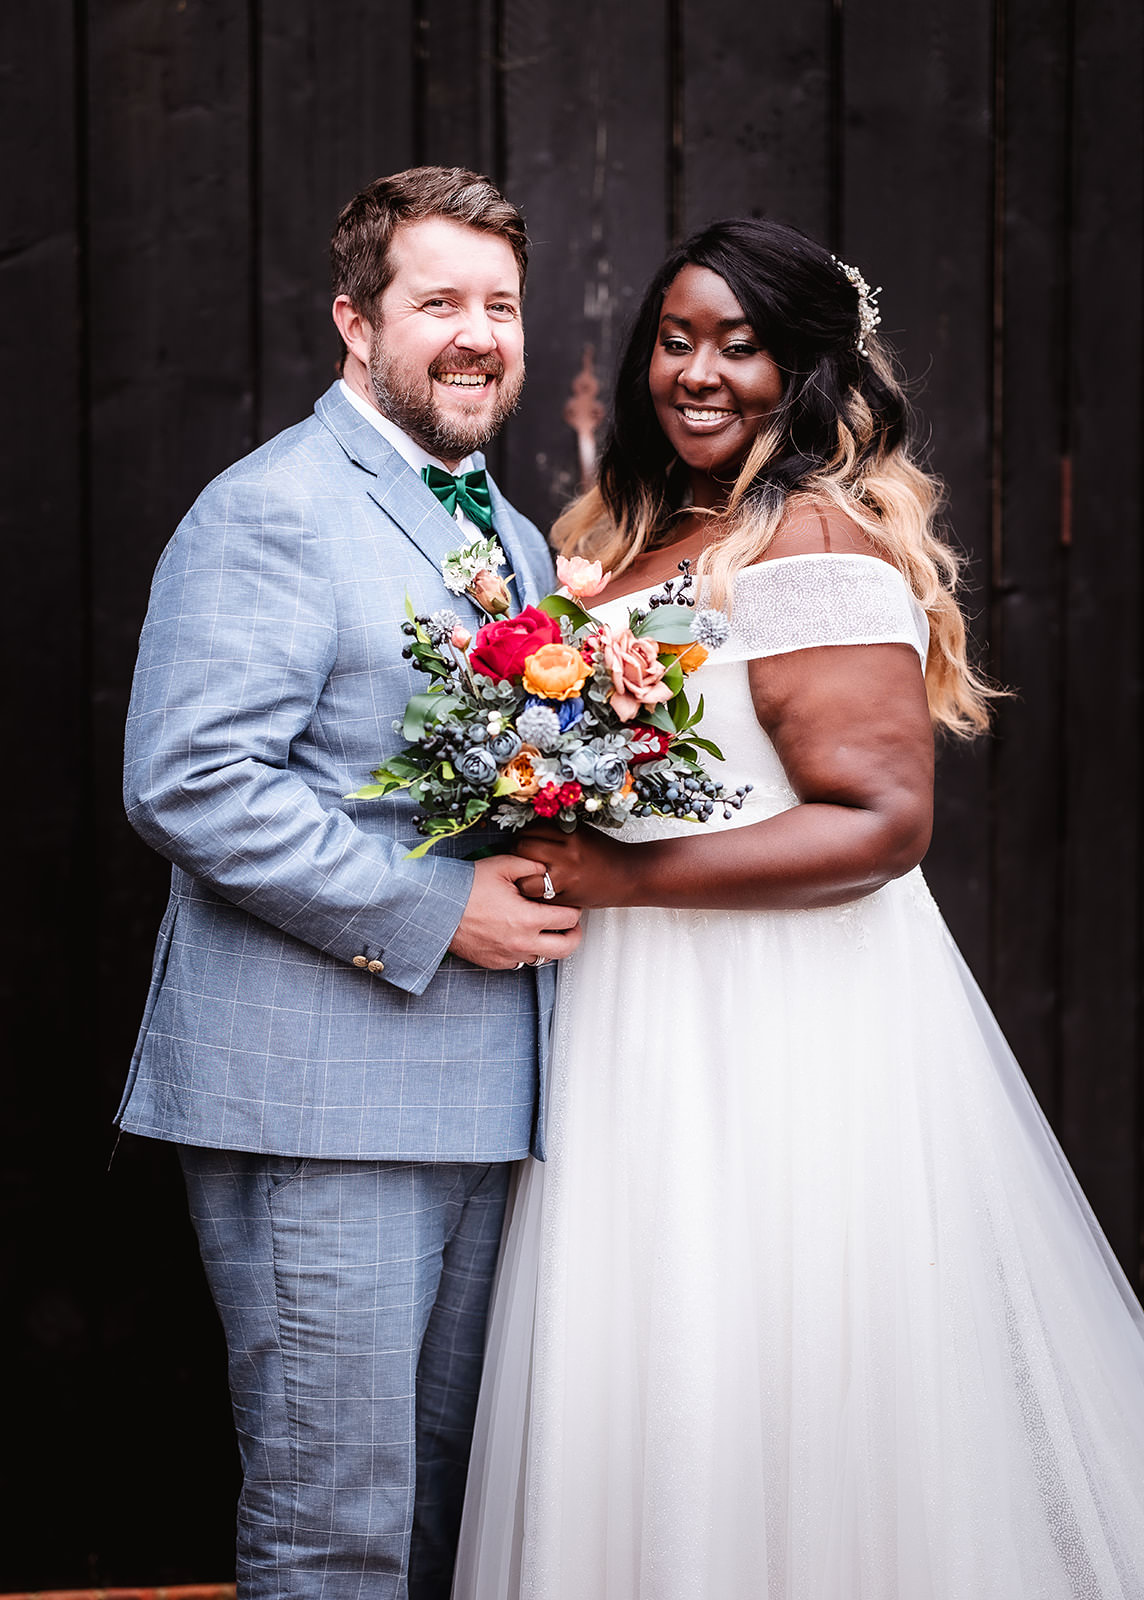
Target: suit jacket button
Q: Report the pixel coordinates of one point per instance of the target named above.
(377, 966)
(361, 961)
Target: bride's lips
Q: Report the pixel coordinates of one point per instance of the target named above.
(704, 419)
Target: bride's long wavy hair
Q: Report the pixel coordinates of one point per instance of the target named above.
(840, 436)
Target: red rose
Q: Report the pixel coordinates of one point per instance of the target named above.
(650, 744)
(501, 647)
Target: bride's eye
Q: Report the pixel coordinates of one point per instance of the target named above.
(675, 347)
(741, 348)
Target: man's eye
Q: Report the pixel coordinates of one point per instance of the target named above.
(502, 309)
(434, 305)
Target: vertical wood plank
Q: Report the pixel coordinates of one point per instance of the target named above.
(456, 48)
(916, 215)
(336, 110)
(756, 94)
(1100, 1090)
(46, 1111)
(1030, 554)
(587, 140)
(170, 356)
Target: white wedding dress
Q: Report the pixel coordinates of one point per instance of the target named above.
(806, 1303)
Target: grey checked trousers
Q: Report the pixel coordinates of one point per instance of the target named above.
(353, 1295)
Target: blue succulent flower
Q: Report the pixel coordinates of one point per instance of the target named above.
(477, 766)
(503, 746)
(579, 766)
(611, 770)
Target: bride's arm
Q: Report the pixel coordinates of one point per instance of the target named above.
(851, 726)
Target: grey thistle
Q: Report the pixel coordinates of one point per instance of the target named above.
(539, 726)
(711, 628)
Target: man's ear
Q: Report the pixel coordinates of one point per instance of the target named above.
(355, 329)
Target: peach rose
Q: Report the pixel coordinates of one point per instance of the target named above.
(690, 656)
(581, 578)
(490, 592)
(521, 772)
(635, 670)
(460, 638)
(555, 672)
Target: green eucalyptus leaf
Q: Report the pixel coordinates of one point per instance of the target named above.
(556, 605)
(667, 625)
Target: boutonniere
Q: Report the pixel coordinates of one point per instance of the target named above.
(473, 569)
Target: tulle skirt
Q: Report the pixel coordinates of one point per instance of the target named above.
(806, 1303)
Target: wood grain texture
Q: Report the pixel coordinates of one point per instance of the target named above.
(916, 212)
(587, 143)
(335, 109)
(1030, 554)
(1100, 1089)
(756, 92)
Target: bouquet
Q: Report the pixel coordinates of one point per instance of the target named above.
(553, 713)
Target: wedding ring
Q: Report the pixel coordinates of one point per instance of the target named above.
(521, 964)
(549, 891)
(539, 961)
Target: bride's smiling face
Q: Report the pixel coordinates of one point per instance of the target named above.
(712, 383)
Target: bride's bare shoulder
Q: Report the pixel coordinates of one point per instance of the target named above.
(817, 528)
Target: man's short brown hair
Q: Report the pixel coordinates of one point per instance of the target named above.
(359, 250)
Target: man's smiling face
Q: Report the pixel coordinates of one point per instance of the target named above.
(446, 359)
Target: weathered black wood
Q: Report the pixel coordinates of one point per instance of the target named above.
(587, 140)
(756, 95)
(335, 110)
(170, 343)
(1100, 1089)
(46, 1107)
(459, 82)
(1029, 553)
(916, 214)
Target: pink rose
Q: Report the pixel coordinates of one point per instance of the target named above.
(581, 578)
(460, 638)
(635, 669)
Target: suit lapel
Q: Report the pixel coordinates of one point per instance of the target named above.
(532, 579)
(392, 484)
(415, 511)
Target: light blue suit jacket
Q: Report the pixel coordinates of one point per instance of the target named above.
(269, 677)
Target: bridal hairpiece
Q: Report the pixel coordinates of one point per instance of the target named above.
(868, 314)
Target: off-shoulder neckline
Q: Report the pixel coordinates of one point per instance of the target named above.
(775, 561)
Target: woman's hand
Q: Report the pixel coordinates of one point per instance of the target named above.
(586, 868)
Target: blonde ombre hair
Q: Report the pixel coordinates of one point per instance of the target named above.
(838, 440)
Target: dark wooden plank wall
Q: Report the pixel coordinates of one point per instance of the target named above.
(173, 171)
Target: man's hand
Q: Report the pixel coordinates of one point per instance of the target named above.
(500, 928)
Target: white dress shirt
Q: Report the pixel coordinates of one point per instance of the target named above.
(411, 451)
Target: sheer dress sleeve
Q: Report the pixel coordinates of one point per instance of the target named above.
(799, 602)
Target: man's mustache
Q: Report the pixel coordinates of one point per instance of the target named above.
(465, 361)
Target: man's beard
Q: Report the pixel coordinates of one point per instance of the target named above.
(412, 404)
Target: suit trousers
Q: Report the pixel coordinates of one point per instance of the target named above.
(354, 1296)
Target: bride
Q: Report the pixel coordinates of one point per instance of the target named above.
(806, 1302)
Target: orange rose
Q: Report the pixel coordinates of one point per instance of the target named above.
(555, 672)
(521, 772)
(690, 656)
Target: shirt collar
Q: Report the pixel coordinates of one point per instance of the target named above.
(407, 448)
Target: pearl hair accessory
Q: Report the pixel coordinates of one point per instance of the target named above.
(868, 314)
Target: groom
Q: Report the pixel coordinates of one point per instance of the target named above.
(344, 1043)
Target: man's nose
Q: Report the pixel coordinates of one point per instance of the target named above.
(476, 333)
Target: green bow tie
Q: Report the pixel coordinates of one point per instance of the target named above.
(470, 491)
